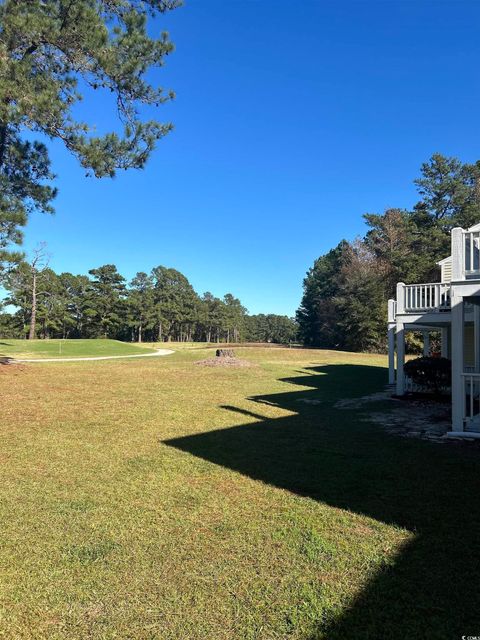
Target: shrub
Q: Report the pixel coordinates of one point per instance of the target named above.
(432, 374)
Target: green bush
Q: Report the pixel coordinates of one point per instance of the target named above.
(431, 374)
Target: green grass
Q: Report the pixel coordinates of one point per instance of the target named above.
(155, 499)
(68, 348)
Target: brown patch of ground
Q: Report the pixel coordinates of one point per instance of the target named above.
(428, 420)
(224, 362)
(410, 418)
(8, 367)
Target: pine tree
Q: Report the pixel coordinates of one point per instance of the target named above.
(105, 306)
(141, 304)
(51, 55)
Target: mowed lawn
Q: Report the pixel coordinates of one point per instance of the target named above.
(156, 499)
(68, 348)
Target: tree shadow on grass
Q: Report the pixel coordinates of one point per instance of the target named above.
(328, 455)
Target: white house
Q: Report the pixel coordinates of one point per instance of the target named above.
(451, 306)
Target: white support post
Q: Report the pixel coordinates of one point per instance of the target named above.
(458, 254)
(391, 354)
(400, 334)
(458, 400)
(426, 343)
(476, 333)
(391, 342)
(400, 297)
(444, 342)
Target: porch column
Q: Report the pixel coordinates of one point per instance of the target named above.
(400, 335)
(476, 333)
(458, 400)
(391, 342)
(426, 343)
(458, 257)
(444, 339)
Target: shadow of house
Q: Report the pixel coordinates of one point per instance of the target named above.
(327, 454)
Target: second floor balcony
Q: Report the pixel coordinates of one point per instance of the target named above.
(431, 297)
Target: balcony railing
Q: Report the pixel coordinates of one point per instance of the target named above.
(434, 297)
(471, 395)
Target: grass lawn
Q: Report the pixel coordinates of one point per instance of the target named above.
(68, 348)
(155, 499)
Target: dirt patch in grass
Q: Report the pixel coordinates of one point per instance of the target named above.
(8, 367)
(224, 362)
(425, 418)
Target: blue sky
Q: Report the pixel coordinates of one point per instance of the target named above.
(292, 119)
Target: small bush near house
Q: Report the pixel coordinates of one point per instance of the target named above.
(430, 373)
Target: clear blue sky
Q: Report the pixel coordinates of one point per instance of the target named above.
(292, 119)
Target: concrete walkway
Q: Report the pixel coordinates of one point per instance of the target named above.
(158, 352)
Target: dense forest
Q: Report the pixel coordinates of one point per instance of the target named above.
(345, 293)
(160, 306)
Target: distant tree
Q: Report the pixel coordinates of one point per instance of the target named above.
(390, 238)
(27, 286)
(405, 248)
(271, 328)
(361, 300)
(317, 316)
(37, 265)
(50, 54)
(141, 304)
(450, 192)
(51, 306)
(176, 304)
(9, 326)
(18, 283)
(105, 307)
(159, 306)
(210, 317)
(233, 317)
(75, 290)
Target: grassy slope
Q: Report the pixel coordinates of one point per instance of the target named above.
(67, 348)
(153, 499)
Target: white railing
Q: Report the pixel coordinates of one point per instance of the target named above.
(426, 297)
(411, 387)
(392, 311)
(471, 395)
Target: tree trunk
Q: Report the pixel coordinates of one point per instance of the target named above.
(33, 317)
(139, 332)
(225, 353)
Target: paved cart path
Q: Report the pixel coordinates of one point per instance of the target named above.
(158, 352)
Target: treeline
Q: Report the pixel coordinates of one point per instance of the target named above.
(160, 306)
(345, 293)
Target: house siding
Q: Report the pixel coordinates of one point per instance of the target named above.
(447, 271)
